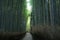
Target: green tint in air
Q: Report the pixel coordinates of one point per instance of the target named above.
(28, 13)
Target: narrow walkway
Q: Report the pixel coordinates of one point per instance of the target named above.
(28, 36)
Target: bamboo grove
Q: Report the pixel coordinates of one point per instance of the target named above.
(14, 15)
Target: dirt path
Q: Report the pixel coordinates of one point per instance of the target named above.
(28, 36)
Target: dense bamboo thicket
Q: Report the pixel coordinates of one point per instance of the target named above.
(11, 16)
(45, 20)
(46, 12)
